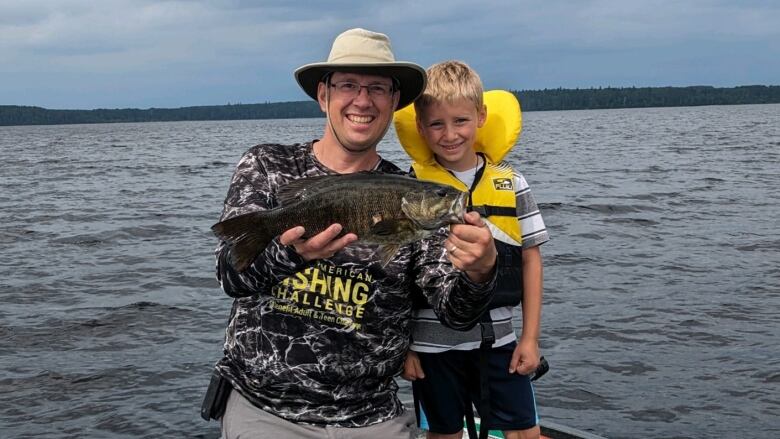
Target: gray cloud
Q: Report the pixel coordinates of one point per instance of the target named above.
(79, 53)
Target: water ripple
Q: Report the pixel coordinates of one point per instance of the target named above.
(662, 278)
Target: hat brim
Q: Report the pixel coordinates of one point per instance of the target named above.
(410, 76)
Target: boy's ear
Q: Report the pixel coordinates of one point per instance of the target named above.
(482, 116)
(418, 124)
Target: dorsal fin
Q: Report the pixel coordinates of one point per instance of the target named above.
(302, 188)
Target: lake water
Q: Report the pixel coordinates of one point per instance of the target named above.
(662, 278)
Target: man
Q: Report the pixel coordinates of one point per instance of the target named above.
(299, 367)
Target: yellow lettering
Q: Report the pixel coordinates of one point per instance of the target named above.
(359, 295)
(294, 296)
(341, 289)
(344, 309)
(301, 282)
(318, 282)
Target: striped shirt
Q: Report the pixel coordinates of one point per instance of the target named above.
(429, 335)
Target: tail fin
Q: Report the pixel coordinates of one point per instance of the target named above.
(246, 235)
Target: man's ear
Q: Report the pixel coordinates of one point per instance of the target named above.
(322, 96)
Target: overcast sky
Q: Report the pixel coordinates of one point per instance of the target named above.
(154, 53)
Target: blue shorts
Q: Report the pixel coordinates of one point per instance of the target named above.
(452, 379)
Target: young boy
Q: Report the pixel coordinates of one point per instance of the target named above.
(452, 369)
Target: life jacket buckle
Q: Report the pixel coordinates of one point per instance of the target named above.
(482, 210)
(488, 335)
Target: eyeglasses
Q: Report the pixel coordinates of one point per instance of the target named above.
(352, 89)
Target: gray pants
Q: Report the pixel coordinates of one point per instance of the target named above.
(242, 420)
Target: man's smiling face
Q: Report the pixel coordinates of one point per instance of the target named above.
(358, 120)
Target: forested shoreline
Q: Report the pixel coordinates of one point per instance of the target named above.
(531, 100)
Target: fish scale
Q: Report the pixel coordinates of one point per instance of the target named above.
(383, 209)
(354, 209)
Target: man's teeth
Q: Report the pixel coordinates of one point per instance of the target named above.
(361, 119)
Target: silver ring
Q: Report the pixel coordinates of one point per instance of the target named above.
(452, 250)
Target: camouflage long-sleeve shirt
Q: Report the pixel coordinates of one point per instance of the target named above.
(319, 342)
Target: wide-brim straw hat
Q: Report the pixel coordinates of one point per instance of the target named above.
(365, 52)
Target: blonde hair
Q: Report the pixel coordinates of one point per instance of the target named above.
(450, 81)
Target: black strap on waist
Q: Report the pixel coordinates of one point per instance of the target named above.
(487, 210)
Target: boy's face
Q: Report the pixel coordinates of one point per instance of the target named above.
(450, 130)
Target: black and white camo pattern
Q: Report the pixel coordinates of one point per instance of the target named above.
(319, 342)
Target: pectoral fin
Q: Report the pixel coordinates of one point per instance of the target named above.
(386, 253)
(407, 208)
(384, 228)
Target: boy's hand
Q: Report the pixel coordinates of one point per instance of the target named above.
(412, 367)
(320, 246)
(525, 358)
(471, 249)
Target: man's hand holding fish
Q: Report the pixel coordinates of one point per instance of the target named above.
(322, 245)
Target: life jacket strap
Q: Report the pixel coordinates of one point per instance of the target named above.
(487, 210)
(488, 338)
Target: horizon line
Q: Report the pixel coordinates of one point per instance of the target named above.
(303, 101)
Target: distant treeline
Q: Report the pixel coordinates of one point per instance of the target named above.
(638, 97)
(531, 100)
(18, 115)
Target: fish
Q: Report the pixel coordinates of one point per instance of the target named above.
(385, 210)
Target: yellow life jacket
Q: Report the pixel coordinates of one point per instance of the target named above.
(494, 194)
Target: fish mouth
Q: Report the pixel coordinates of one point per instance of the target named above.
(458, 209)
(452, 215)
